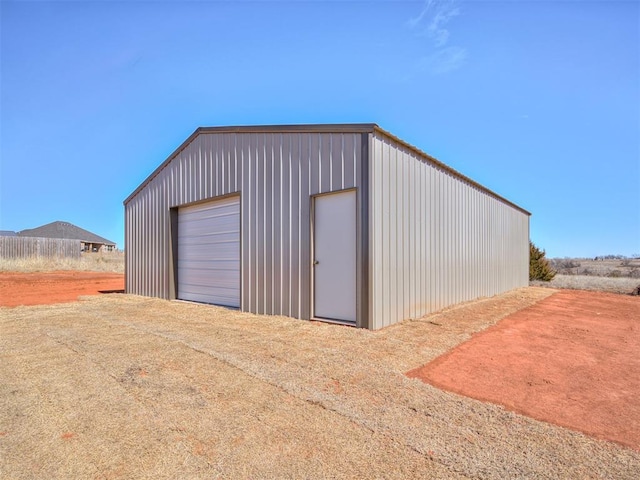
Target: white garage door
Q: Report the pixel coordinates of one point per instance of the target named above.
(209, 252)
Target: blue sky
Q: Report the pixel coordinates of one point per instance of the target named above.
(537, 100)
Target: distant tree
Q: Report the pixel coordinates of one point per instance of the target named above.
(539, 267)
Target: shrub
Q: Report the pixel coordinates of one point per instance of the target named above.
(539, 267)
(565, 265)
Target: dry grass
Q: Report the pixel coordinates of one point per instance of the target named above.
(128, 387)
(588, 282)
(95, 262)
(628, 267)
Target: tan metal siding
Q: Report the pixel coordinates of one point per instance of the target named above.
(436, 239)
(275, 174)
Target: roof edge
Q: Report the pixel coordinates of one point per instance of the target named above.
(447, 168)
(306, 128)
(318, 128)
(85, 235)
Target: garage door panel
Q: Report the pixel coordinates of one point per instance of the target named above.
(196, 264)
(203, 250)
(222, 252)
(222, 300)
(200, 276)
(209, 290)
(219, 237)
(225, 227)
(204, 229)
(223, 211)
(226, 224)
(209, 252)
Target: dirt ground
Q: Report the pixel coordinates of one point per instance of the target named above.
(120, 386)
(54, 287)
(571, 359)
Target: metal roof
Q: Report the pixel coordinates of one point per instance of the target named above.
(65, 230)
(8, 233)
(318, 128)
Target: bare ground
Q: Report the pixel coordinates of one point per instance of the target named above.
(18, 288)
(571, 359)
(122, 386)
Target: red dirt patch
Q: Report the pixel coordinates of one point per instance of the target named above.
(55, 287)
(571, 359)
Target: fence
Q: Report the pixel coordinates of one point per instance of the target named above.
(21, 247)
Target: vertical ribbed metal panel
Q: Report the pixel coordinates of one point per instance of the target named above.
(435, 239)
(275, 174)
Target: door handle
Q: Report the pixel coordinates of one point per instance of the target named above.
(316, 262)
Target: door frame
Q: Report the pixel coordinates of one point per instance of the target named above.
(362, 262)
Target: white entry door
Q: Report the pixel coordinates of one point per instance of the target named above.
(209, 252)
(334, 266)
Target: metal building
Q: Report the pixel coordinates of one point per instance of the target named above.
(342, 223)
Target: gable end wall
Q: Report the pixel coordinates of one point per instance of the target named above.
(275, 175)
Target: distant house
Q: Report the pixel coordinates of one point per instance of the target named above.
(89, 242)
(8, 233)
